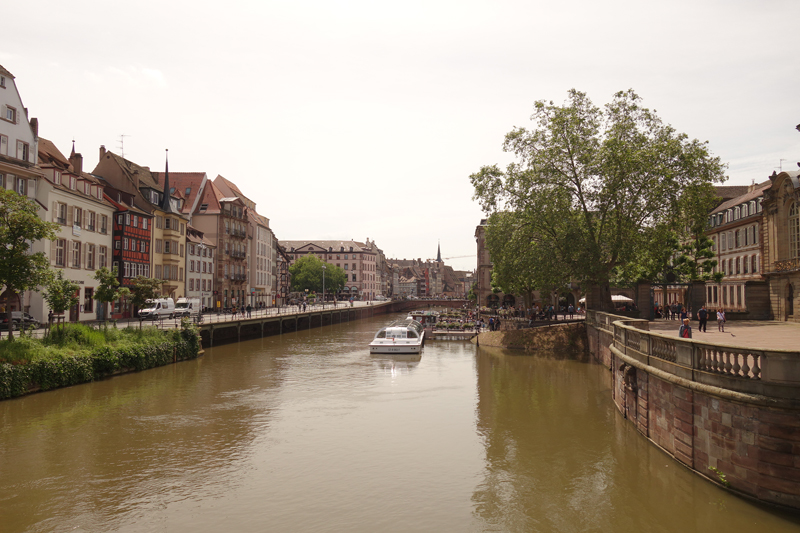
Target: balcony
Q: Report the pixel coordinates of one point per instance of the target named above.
(236, 254)
(786, 265)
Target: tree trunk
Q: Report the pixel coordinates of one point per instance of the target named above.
(9, 294)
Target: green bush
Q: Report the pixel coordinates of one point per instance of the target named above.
(80, 354)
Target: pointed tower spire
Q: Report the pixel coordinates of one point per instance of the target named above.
(166, 205)
(73, 149)
(439, 253)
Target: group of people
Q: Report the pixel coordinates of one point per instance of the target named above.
(703, 314)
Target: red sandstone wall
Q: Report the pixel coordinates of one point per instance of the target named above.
(755, 447)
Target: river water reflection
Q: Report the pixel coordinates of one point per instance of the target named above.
(308, 432)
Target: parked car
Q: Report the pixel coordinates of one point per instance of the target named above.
(24, 319)
(158, 308)
(6, 322)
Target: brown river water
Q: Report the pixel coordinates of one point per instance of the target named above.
(308, 432)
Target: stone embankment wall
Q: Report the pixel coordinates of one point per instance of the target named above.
(566, 339)
(730, 413)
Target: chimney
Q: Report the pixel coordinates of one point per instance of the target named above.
(76, 160)
(35, 126)
(102, 151)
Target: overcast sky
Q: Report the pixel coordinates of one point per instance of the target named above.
(356, 119)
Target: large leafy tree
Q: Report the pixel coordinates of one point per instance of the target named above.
(521, 263)
(593, 184)
(306, 273)
(108, 289)
(20, 226)
(61, 293)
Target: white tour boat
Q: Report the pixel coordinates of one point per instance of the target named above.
(401, 337)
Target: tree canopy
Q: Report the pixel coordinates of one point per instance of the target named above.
(144, 289)
(61, 293)
(306, 273)
(591, 189)
(108, 289)
(20, 227)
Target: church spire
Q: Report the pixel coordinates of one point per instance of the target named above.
(439, 253)
(166, 204)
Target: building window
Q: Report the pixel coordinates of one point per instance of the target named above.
(754, 265)
(92, 219)
(738, 265)
(76, 254)
(125, 243)
(103, 256)
(3, 145)
(117, 244)
(61, 214)
(142, 247)
(11, 114)
(61, 250)
(90, 251)
(354, 277)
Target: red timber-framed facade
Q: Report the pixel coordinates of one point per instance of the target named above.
(131, 254)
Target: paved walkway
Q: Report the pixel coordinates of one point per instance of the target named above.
(753, 333)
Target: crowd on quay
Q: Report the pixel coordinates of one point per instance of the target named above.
(680, 312)
(492, 318)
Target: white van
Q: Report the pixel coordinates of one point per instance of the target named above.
(187, 307)
(158, 308)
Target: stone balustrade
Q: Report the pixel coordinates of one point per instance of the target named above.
(772, 373)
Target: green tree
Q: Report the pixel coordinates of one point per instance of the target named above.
(20, 227)
(108, 290)
(143, 289)
(306, 273)
(61, 293)
(520, 261)
(591, 183)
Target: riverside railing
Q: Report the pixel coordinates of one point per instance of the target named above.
(746, 369)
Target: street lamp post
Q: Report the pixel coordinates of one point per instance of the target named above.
(324, 268)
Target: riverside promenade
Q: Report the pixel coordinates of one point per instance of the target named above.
(758, 334)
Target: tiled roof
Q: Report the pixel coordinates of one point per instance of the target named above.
(4, 72)
(335, 246)
(138, 175)
(757, 192)
(182, 181)
(51, 157)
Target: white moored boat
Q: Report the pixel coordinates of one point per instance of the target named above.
(401, 337)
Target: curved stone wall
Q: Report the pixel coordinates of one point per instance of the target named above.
(731, 413)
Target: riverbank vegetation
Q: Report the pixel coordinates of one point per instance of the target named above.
(78, 354)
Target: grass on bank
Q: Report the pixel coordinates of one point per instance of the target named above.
(79, 354)
(76, 340)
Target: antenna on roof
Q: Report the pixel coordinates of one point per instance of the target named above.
(780, 164)
(122, 144)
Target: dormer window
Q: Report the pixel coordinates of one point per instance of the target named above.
(203, 207)
(72, 181)
(57, 177)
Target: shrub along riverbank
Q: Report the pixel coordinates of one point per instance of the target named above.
(79, 354)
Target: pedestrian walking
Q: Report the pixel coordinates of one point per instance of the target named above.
(702, 317)
(721, 320)
(685, 332)
(571, 310)
(249, 310)
(684, 313)
(497, 324)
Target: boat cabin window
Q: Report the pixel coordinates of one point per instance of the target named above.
(412, 335)
(381, 334)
